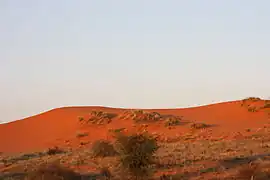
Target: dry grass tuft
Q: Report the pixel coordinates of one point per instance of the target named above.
(55, 150)
(144, 116)
(199, 125)
(253, 99)
(172, 121)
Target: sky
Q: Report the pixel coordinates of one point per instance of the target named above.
(131, 54)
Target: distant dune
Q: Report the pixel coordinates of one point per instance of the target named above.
(59, 127)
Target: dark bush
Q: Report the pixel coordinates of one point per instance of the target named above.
(55, 150)
(136, 153)
(102, 148)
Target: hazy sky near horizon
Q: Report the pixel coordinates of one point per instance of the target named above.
(139, 54)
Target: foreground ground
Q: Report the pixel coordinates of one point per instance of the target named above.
(208, 142)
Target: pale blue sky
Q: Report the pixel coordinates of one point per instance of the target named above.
(123, 53)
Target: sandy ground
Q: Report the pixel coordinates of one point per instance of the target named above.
(229, 122)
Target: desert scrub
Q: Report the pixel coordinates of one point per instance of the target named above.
(80, 118)
(117, 130)
(252, 109)
(172, 121)
(247, 101)
(53, 172)
(99, 117)
(255, 171)
(103, 148)
(136, 153)
(82, 134)
(199, 125)
(143, 116)
(266, 104)
(252, 99)
(55, 150)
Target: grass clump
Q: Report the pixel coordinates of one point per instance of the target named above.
(253, 99)
(55, 171)
(81, 118)
(117, 130)
(267, 104)
(55, 150)
(252, 109)
(172, 121)
(82, 134)
(136, 153)
(199, 125)
(103, 148)
(144, 116)
(100, 117)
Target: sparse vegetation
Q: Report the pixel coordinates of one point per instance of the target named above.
(53, 172)
(55, 150)
(81, 134)
(199, 125)
(117, 130)
(172, 121)
(267, 104)
(98, 117)
(193, 153)
(136, 153)
(103, 148)
(80, 118)
(252, 99)
(252, 109)
(144, 116)
(259, 171)
(171, 177)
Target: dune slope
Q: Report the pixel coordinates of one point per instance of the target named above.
(58, 126)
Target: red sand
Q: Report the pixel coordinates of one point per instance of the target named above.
(59, 126)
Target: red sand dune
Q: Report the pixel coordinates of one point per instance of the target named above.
(58, 126)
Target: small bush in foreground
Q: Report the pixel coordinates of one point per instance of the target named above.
(53, 172)
(136, 153)
(102, 148)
